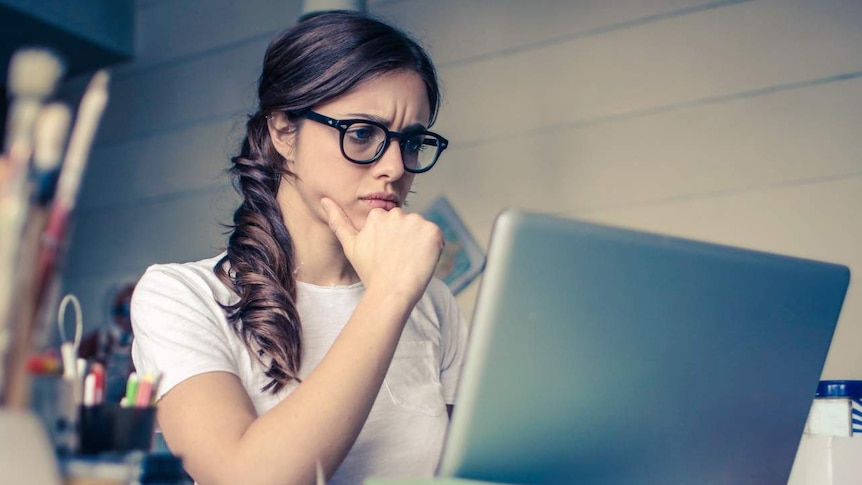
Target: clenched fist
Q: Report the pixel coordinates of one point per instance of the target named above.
(395, 251)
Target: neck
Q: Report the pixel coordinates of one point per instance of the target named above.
(318, 255)
(319, 269)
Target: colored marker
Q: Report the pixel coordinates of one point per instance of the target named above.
(90, 390)
(142, 399)
(98, 371)
(131, 389)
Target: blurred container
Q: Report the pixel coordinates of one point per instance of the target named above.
(113, 428)
(836, 410)
(830, 451)
(52, 399)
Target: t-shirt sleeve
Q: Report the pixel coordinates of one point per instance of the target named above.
(179, 330)
(453, 331)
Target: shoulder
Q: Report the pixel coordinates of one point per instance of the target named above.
(181, 280)
(181, 297)
(180, 326)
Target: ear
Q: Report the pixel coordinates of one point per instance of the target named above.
(282, 133)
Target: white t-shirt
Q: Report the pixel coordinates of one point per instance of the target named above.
(181, 331)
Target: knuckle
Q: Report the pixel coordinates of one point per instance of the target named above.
(374, 214)
(415, 218)
(438, 236)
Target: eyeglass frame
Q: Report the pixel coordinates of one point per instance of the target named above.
(343, 125)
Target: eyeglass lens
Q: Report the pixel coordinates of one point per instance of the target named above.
(364, 142)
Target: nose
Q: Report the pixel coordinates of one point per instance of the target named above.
(390, 164)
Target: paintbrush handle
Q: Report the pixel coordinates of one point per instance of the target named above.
(51, 248)
(39, 255)
(16, 387)
(13, 209)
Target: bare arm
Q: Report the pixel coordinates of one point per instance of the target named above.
(210, 421)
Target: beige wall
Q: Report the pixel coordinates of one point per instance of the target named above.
(732, 122)
(737, 122)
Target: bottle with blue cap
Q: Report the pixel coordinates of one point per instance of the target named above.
(836, 410)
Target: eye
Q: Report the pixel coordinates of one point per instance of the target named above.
(360, 133)
(413, 144)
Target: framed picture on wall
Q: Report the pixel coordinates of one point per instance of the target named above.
(462, 259)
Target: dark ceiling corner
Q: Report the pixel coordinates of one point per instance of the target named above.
(87, 34)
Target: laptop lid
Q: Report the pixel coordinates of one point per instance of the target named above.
(601, 355)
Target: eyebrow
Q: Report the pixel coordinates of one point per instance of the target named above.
(387, 122)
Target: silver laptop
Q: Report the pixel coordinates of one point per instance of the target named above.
(599, 355)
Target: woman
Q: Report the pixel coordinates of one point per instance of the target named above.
(319, 336)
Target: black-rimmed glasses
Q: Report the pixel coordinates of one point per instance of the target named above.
(365, 141)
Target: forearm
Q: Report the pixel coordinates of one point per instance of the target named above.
(321, 419)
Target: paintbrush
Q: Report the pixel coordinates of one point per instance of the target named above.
(52, 243)
(49, 135)
(33, 75)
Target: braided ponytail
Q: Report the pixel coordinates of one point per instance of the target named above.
(260, 254)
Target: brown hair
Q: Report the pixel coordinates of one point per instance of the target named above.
(317, 60)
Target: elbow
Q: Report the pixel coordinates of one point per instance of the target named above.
(249, 472)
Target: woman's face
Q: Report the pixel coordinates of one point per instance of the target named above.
(398, 100)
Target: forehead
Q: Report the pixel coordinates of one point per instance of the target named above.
(397, 96)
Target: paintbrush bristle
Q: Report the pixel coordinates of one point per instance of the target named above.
(49, 136)
(33, 73)
(99, 81)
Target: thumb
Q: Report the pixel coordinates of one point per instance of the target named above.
(338, 221)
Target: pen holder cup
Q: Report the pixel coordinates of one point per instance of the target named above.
(113, 428)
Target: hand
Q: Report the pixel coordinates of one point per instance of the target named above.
(395, 251)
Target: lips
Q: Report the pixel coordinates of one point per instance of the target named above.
(381, 200)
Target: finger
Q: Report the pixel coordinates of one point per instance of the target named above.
(338, 221)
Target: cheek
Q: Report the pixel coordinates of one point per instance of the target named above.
(335, 181)
(319, 169)
(405, 184)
